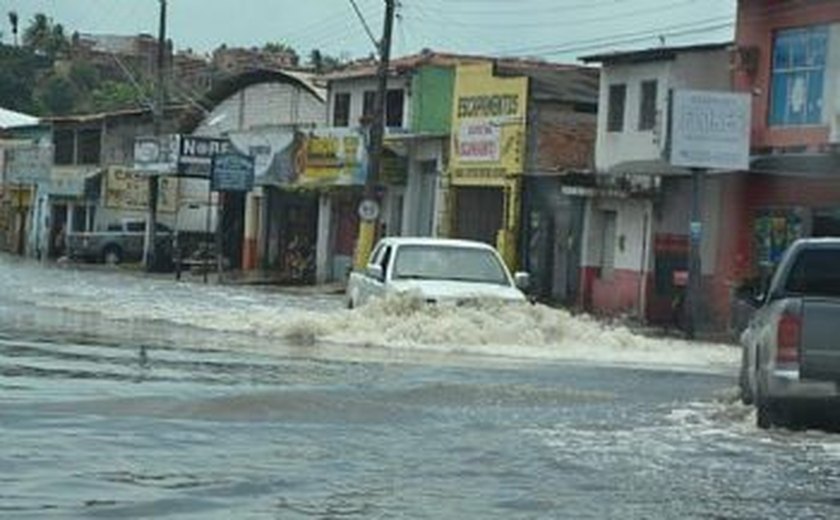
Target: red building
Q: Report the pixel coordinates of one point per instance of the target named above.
(787, 55)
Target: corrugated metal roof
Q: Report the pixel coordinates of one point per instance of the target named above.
(652, 54)
(549, 81)
(12, 119)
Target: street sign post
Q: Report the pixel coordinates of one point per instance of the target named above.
(709, 130)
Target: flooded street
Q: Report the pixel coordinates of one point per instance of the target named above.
(128, 397)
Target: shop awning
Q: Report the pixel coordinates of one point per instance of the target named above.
(798, 165)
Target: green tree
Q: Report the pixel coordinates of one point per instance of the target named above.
(282, 48)
(44, 37)
(57, 95)
(19, 69)
(114, 95)
(323, 62)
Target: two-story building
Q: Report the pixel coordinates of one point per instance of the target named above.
(787, 56)
(636, 226)
(91, 184)
(411, 187)
(471, 142)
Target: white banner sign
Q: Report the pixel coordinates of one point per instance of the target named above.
(479, 141)
(710, 130)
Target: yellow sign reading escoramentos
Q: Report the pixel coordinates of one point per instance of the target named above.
(488, 130)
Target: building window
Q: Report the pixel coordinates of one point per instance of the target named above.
(90, 145)
(394, 108)
(647, 105)
(64, 142)
(341, 110)
(615, 114)
(798, 78)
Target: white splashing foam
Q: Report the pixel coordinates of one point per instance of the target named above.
(488, 328)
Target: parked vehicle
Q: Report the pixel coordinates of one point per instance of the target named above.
(791, 347)
(437, 270)
(120, 242)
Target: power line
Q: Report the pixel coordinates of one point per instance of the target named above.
(607, 40)
(366, 26)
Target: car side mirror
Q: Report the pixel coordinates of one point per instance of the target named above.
(522, 281)
(375, 272)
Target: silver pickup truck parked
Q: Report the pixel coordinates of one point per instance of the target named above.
(120, 242)
(791, 347)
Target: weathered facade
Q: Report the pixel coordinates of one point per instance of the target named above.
(788, 57)
(265, 114)
(636, 226)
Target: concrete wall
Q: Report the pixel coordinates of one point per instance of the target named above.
(263, 104)
(357, 89)
(564, 139)
(431, 100)
(707, 70)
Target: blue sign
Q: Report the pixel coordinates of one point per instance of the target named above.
(232, 172)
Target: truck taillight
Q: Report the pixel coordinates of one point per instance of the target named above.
(788, 338)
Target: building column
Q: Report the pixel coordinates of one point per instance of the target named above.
(252, 224)
(323, 271)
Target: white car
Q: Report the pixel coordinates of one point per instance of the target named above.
(438, 270)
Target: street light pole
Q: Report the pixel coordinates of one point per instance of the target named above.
(367, 226)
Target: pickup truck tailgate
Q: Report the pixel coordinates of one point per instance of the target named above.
(820, 354)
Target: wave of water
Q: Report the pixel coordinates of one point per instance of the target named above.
(487, 328)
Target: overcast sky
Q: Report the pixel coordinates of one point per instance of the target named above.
(557, 30)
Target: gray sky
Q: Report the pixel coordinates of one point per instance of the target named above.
(557, 30)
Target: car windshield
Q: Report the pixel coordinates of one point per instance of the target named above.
(815, 273)
(466, 264)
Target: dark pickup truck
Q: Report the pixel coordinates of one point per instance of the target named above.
(791, 347)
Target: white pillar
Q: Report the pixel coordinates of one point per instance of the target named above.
(323, 269)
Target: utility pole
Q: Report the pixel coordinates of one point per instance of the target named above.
(369, 209)
(150, 249)
(695, 263)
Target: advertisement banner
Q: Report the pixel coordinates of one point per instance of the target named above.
(332, 157)
(196, 154)
(489, 124)
(273, 151)
(156, 154)
(126, 189)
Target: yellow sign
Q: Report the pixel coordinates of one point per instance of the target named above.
(332, 157)
(127, 190)
(489, 118)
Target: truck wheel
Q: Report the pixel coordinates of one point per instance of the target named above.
(770, 412)
(765, 415)
(112, 255)
(744, 380)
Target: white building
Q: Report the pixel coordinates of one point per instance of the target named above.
(637, 220)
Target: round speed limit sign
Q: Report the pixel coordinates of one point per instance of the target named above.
(368, 210)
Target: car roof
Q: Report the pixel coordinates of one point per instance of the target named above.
(428, 241)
